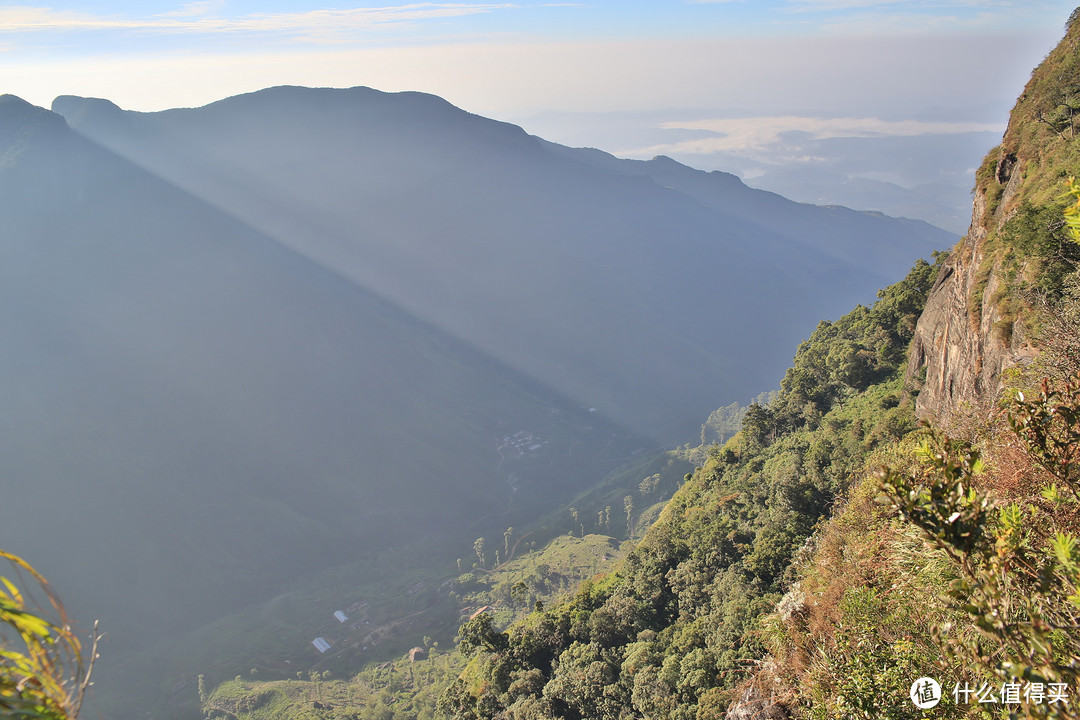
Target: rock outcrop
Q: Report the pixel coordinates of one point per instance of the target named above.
(959, 340)
(977, 321)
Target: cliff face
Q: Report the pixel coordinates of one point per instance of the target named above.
(979, 317)
(958, 339)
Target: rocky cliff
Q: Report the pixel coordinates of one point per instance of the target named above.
(983, 315)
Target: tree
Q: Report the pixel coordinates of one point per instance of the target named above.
(478, 548)
(648, 485)
(519, 593)
(628, 505)
(506, 541)
(480, 634)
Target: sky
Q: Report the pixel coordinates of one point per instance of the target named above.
(739, 85)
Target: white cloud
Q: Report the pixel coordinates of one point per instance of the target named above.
(202, 17)
(751, 135)
(23, 18)
(194, 9)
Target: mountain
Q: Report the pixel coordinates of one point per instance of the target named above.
(836, 560)
(299, 334)
(554, 261)
(196, 418)
(983, 318)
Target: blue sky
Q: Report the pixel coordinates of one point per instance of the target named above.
(708, 82)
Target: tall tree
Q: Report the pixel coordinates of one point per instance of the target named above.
(478, 548)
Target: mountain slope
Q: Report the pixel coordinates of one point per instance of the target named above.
(955, 559)
(195, 417)
(547, 260)
(677, 625)
(291, 332)
(984, 316)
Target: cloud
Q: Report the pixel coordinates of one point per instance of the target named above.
(194, 9)
(929, 78)
(915, 5)
(204, 17)
(749, 136)
(23, 18)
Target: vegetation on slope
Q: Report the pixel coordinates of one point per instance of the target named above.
(1027, 244)
(958, 560)
(395, 682)
(678, 625)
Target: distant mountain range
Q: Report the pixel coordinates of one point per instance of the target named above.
(245, 342)
(552, 260)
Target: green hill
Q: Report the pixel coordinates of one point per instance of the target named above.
(789, 578)
(676, 627)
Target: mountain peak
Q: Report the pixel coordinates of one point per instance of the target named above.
(18, 118)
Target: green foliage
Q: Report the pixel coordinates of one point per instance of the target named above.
(678, 624)
(862, 348)
(1018, 571)
(42, 672)
(398, 690)
(480, 634)
(873, 670)
(946, 505)
(1049, 428)
(1072, 212)
(1040, 245)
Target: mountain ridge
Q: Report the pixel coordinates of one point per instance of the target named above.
(408, 198)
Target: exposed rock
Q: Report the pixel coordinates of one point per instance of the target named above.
(1005, 167)
(754, 707)
(962, 346)
(964, 340)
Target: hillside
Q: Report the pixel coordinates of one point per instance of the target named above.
(675, 627)
(832, 553)
(204, 419)
(554, 261)
(958, 560)
(986, 316)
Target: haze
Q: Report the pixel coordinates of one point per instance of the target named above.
(873, 104)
